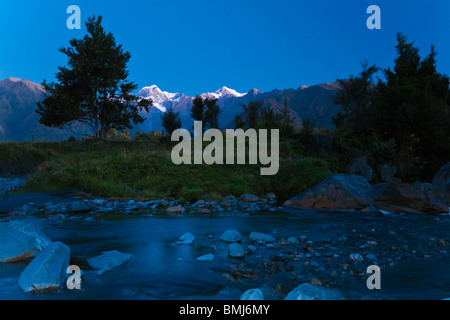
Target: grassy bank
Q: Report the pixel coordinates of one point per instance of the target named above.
(144, 170)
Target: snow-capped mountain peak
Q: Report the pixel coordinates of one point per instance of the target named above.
(223, 92)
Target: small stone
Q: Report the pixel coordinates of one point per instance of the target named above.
(292, 240)
(206, 258)
(252, 294)
(371, 257)
(235, 250)
(175, 211)
(261, 237)
(231, 235)
(186, 238)
(356, 257)
(249, 198)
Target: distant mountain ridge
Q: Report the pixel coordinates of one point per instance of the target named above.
(20, 122)
(307, 102)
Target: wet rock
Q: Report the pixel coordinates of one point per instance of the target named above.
(441, 184)
(8, 184)
(204, 210)
(342, 191)
(271, 197)
(371, 210)
(261, 237)
(231, 235)
(186, 238)
(252, 294)
(360, 167)
(20, 241)
(109, 260)
(397, 196)
(249, 198)
(48, 270)
(199, 203)
(292, 240)
(235, 250)
(356, 257)
(79, 207)
(175, 211)
(387, 171)
(307, 291)
(206, 258)
(371, 257)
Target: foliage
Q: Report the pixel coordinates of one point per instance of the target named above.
(171, 121)
(143, 169)
(93, 88)
(409, 111)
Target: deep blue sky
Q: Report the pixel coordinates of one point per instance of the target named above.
(194, 46)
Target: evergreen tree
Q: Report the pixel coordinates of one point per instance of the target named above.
(211, 114)
(239, 122)
(198, 109)
(93, 88)
(356, 96)
(171, 121)
(252, 114)
(413, 109)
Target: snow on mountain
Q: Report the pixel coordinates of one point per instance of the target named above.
(311, 102)
(223, 92)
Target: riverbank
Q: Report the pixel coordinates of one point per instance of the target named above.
(143, 170)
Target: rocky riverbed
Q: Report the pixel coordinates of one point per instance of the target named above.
(222, 256)
(238, 248)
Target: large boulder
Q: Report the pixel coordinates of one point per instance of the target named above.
(398, 196)
(20, 240)
(48, 270)
(441, 184)
(307, 291)
(360, 167)
(342, 191)
(387, 171)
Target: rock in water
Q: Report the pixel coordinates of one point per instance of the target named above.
(342, 192)
(235, 250)
(261, 237)
(307, 291)
(398, 196)
(441, 184)
(231, 235)
(109, 260)
(48, 270)
(360, 167)
(186, 238)
(206, 258)
(20, 240)
(252, 294)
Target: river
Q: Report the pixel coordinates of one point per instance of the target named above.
(414, 264)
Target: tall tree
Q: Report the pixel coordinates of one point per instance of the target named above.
(171, 121)
(93, 88)
(356, 96)
(211, 113)
(198, 109)
(413, 108)
(252, 114)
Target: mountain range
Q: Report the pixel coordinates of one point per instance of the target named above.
(20, 122)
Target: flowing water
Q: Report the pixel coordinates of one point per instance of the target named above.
(162, 269)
